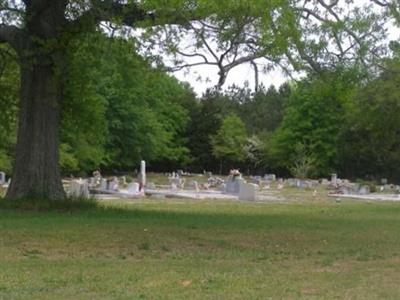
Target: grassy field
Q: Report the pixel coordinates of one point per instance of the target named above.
(203, 250)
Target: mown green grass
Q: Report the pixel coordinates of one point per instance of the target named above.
(203, 250)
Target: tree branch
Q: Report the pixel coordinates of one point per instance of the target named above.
(108, 11)
(256, 76)
(380, 3)
(128, 15)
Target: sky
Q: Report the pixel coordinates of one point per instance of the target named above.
(241, 74)
(244, 73)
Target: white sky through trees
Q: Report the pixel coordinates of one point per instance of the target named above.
(204, 77)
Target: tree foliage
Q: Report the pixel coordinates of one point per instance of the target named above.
(134, 111)
(9, 85)
(370, 143)
(313, 121)
(117, 109)
(228, 144)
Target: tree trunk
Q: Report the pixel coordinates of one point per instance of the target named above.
(36, 171)
(41, 53)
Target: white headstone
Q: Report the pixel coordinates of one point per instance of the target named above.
(334, 179)
(177, 182)
(103, 184)
(195, 185)
(364, 190)
(233, 185)
(2, 178)
(248, 192)
(223, 188)
(92, 181)
(143, 173)
(270, 177)
(133, 188)
(113, 185)
(79, 189)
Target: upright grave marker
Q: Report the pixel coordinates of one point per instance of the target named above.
(142, 175)
(2, 178)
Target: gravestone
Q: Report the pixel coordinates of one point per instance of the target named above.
(347, 190)
(133, 188)
(364, 190)
(2, 178)
(92, 181)
(177, 182)
(303, 184)
(334, 179)
(233, 185)
(207, 174)
(215, 181)
(142, 180)
(103, 184)
(194, 185)
(113, 184)
(270, 177)
(248, 191)
(223, 188)
(79, 189)
(256, 179)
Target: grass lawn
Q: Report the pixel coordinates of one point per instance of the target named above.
(203, 250)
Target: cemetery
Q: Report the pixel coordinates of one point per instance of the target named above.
(230, 149)
(232, 187)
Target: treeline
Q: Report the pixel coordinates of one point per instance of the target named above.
(118, 109)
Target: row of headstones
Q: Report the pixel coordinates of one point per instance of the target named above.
(300, 183)
(355, 189)
(81, 188)
(358, 189)
(295, 182)
(114, 186)
(176, 182)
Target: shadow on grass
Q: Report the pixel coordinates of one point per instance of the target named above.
(235, 217)
(43, 204)
(243, 217)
